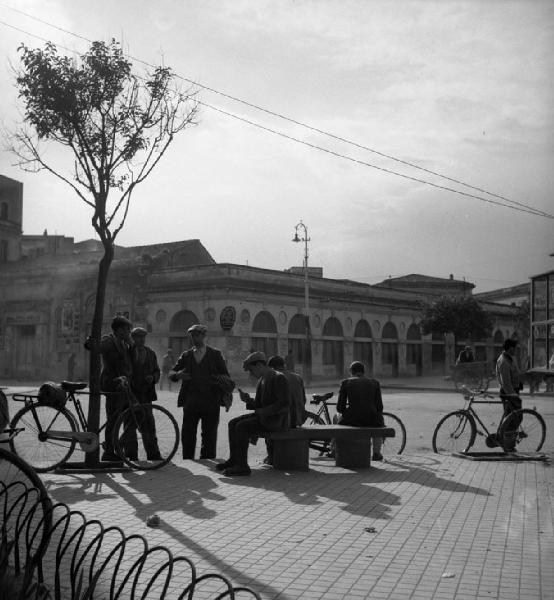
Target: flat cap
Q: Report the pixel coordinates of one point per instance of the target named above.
(139, 331)
(199, 328)
(253, 358)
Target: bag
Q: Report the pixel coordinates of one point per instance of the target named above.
(225, 385)
(51, 394)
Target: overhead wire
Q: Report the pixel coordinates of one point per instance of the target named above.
(521, 207)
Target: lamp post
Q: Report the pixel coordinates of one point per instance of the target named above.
(308, 353)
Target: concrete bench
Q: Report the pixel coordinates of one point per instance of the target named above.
(352, 445)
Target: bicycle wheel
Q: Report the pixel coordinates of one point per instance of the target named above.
(146, 436)
(34, 445)
(25, 506)
(455, 432)
(526, 427)
(321, 446)
(396, 444)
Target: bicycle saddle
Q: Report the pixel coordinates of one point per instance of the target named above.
(73, 386)
(317, 398)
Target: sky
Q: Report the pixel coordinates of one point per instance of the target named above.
(464, 89)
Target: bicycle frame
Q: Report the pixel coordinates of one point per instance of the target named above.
(471, 401)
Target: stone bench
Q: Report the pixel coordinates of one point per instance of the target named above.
(352, 445)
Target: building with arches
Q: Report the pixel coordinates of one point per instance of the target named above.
(47, 294)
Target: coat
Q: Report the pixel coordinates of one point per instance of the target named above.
(144, 391)
(272, 402)
(116, 362)
(216, 366)
(360, 402)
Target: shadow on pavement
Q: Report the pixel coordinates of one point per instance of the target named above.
(193, 490)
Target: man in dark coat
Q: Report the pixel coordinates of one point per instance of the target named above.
(360, 403)
(145, 375)
(115, 349)
(199, 395)
(271, 407)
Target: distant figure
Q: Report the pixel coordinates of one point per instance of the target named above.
(508, 376)
(168, 361)
(465, 356)
(71, 362)
(289, 361)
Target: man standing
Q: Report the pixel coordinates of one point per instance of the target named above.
(507, 374)
(360, 404)
(199, 395)
(271, 407)
(168, 361)
(114, 378)
(145, 375)
(465, 356)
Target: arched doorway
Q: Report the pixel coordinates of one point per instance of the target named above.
(333, 348)
(363, 345)
(297, 341)
(264, 333)
(389, 358)
(413, 350)
(438, 354)
(179, 339)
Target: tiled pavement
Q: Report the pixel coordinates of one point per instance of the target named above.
(418, 526)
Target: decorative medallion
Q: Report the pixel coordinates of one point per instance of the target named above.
(402, 327)
(377, 325)
(283, 317)
(161, 316)
(227, 318)
(317, 321)
(209, 314)
(245, 315)
(348, 323)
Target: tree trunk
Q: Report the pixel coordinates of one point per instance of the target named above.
(92, 458)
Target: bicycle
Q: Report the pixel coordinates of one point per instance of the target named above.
(393, 445)
(49, 431)
(457, 431)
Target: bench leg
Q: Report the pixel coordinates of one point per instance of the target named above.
(353, 454)
(291, 455)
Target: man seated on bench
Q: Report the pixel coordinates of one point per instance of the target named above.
(360, 404)
(271, 413)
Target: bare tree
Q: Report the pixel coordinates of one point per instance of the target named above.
(115, 127)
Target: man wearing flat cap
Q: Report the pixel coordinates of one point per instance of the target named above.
(199, 396)
(271, 407)
(145, 375)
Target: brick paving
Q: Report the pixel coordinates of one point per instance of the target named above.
(419, 526)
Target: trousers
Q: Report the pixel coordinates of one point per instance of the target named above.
(206, 412)
(241, 429)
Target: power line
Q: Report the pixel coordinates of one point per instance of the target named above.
(524, 208)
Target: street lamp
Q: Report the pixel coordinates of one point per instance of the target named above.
(308, 353)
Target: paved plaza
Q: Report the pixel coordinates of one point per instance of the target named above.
(415, 526)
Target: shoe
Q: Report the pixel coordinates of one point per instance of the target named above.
(267, 461)
(110, 457)
(132, 457)
(156, 456)
(237, 471)
(224, 465)
(377, 456)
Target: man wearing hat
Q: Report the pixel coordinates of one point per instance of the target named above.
(115, 349)
(271, 407)
(145, 375)
(199, 395)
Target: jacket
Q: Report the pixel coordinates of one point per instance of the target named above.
(507, 374)
(116, 362)
(216, 366)
(360, 402)
(272, 401)
(144, 391)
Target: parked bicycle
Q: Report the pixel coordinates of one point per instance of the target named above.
(392, 445)
(49, 431)
(458, 430)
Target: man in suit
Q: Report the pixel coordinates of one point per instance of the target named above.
(271, 407)
(199, 395)
(360, 404)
